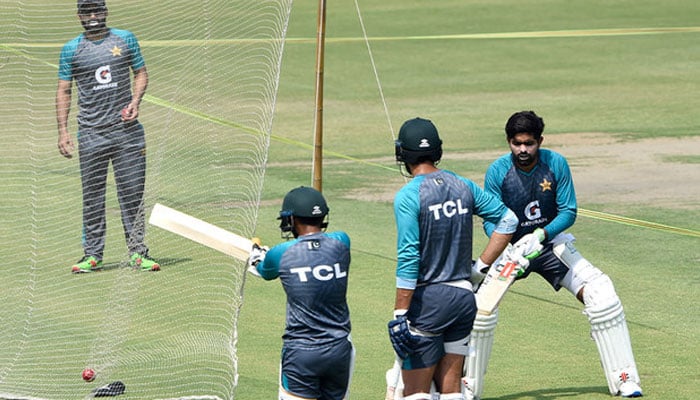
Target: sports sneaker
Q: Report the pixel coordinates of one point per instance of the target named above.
(144, 263)
(630, 389)
(86, 264)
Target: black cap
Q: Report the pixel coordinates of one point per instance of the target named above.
(94, 3)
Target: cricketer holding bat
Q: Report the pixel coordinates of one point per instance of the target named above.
(100, 61)
(537, 185)
(435, 304)
(317, 353)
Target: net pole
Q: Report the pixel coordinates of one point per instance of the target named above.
(317, 169)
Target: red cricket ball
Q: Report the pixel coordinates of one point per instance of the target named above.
(88, 374)
(125, 113)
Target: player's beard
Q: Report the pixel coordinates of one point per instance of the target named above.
(95, 25)
(525, 159)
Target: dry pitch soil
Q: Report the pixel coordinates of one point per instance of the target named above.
(659, 172)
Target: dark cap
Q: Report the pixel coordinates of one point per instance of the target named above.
(305, 202)
(418, 141)
(419, 134)
(94, 3)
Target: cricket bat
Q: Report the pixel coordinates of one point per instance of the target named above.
(495, 285)
(202, 232)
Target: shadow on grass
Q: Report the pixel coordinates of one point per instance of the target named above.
(576, 308)
(557, 393)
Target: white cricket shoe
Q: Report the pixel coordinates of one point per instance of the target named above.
(467, 392)
(630, 389)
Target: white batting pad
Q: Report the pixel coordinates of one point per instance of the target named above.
(477, 361)
(609, 330)
(581, 270)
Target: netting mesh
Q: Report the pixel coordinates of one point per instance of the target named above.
(213, 68)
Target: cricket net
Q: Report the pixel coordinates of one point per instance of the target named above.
(214, 69)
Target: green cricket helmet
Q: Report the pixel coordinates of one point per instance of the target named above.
(418, 141)
(305, 203)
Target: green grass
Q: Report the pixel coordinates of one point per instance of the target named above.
(633, 87)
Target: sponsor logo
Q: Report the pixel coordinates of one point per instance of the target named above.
(319, 272)
(506, 271)
(103, 76)
(448, 209)
(533, 213)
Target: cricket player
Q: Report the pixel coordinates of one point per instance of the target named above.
(100, 61)
(537, 185)
(317, 354)
(435, 305)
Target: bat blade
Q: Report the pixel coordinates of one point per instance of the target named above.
(201, 232)
(491, 291)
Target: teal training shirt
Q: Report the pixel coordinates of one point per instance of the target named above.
(101, 70)
(314, 273)
(542, 198)
(434, 220)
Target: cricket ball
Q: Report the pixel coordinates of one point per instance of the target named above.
(125, 113)
(88, 374)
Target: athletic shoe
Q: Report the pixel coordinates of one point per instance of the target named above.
(113, 389)
(467, 391)
(144, 263)
(630, 389)
(86, 264)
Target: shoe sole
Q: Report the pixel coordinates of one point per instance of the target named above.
(85, 271)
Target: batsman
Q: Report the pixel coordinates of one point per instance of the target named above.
(318, 357)
(537, 185)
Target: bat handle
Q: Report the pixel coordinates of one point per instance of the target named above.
(256, 241)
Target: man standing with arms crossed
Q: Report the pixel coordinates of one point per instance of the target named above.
(537, 185)
(100, 61)
(435, 305)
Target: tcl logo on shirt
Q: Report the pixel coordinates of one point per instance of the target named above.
(319, 272)
(449, 209)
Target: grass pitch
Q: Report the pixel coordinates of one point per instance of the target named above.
(625, 69)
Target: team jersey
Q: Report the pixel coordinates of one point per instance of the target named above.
(434, 220)
(101, 70)
(541, 198)
(314, 273)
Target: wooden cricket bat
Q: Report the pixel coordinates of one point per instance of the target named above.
(495, 285)
(202, 232)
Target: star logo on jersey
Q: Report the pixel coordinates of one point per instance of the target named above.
(116, 51)
(546, 185)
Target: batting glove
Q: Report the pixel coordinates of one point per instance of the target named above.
(511, 256)
(401, 338)
(478, 273)
(257, 255)
(523, 263)
(530, 245)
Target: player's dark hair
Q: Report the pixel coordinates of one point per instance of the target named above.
(524, 122)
